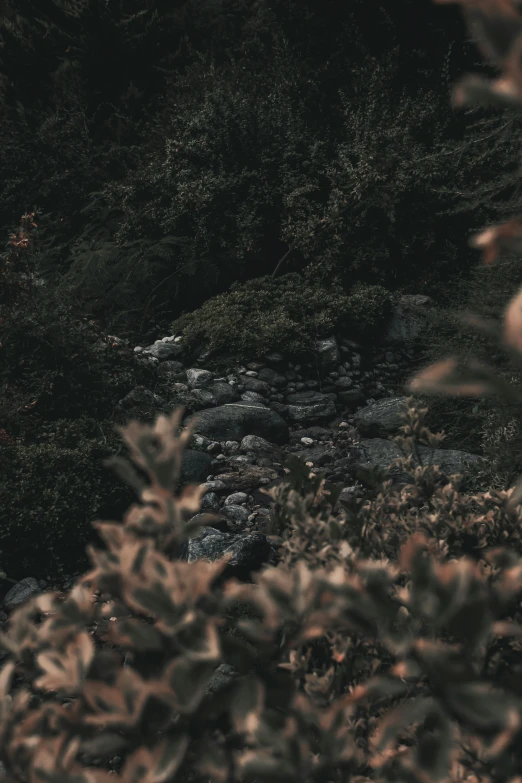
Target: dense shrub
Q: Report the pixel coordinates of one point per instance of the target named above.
(380, 644)
(51, 489)
(251, 160)
(369, 308)
(282, 313)
(53, 363)
(178, 150)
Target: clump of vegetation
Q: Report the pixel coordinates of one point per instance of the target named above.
(53, 364)
(370, 308)
(51, 489)
(283, 313)
(483, 426)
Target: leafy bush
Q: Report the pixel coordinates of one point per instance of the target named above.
(370, 307)
(187, 148)
(50, 491)
(370, 652)
(53, 364)
(283, 313)
(247, 165)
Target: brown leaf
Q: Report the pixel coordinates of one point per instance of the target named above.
(158, 764)
(66, 671)
(498, 239)
(513, 323)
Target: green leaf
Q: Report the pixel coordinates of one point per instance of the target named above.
(395, 723)
(156, 601)
(433, 755)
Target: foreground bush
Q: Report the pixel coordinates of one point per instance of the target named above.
(372, 651)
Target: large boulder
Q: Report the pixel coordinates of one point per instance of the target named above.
(247, 553)
(234, 421)
(381, 419)
(380, 452)
(310, 406)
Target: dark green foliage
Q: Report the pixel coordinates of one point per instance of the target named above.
(369, 309)
(54, 364)
(349, 668)
(283, 313)
(247, 164)
(484, 426)
(176, 150)
(50, 491)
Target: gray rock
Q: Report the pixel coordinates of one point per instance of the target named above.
(246, 478)
(161, 350)
(310, 406)
(141, 397)
(236, 420)
(259, 446)
(381, 419)
(320, 455)
(327, 351)
(236, 498)
(223, 393)
(21, 592)
(253, 397)
(195, 467)
(210, 502)
(248, 553)
(381, 453)
(344, 382)
(255, 385)
(236, 515)
(272, 377)
(351, 396)
(198, 378)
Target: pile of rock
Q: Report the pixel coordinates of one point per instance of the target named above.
(337, 411)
